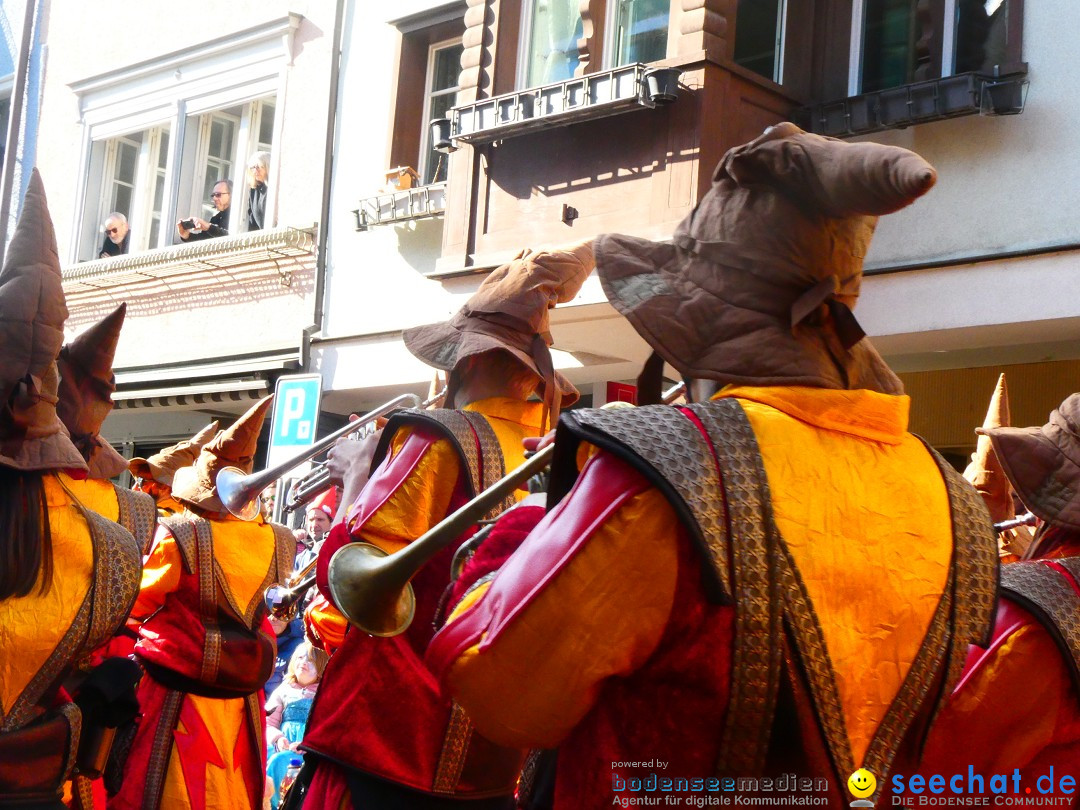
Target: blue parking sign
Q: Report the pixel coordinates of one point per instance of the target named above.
(296, 416)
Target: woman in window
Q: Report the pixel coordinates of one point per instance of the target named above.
(258, 177)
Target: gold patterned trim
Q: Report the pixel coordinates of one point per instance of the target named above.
(284, 554)
(208, 580)
(676, 457)
(161, 750)
(138, 514)
(492, 462)
(73, 715)
(1051, 598)
(450, 423)
(117, 567)
(455, 747)
(182, 528)
(757, 647)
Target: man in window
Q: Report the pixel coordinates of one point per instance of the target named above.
(219, 222)
(117, 236)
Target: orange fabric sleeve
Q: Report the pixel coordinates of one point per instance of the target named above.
(421, 501)
(325, 625)
(1014, 700)
(161, 574)
(601, 615)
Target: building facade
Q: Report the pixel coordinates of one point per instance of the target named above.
(417, 145)
(147, 109)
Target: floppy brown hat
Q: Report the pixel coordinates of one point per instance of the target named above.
(759, 280)
(232, 447)
(1043, 463)
(985, 472)
(162, 466)
(510, 312)
(32, 315)
(86, 388)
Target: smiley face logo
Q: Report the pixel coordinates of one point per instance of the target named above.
(862, 783)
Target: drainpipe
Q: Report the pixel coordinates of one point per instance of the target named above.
(328, 173)
(18, 99)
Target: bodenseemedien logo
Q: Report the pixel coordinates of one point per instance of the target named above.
(862, 785)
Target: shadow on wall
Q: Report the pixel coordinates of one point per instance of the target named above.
(251, 290)
(420, 243)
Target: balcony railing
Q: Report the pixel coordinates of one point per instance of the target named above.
(1001, 93)
(275, 250)
(583, 98)
(401, 206)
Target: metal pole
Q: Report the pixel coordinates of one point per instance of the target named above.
(18, 98)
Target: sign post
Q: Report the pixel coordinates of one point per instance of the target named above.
(295, 419)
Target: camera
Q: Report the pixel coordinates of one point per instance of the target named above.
(187, 224)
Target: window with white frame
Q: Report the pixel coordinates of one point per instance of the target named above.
(158, 135)
(129, 173)
(898, 42)
(639, 31)
(443, 70)
(550, 41)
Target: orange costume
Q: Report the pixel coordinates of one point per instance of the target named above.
(86, 387)
(45, 632)
(205, 643)
(380, 732)
(781, 580)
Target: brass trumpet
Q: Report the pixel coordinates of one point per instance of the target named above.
(283, 601)
(371, 588)
(239, 491)
(318, 480)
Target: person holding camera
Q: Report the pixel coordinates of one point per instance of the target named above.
(194, 229)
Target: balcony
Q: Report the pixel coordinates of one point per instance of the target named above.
(1002, 93)
(175, 269)
(401, 206)
(589, 97)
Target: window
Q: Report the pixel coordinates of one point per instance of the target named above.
(759, 37)
(640, 31)
(427, 85)
(444, 67)
(131, 181)
(156, 155)
(550, 52)
(130, 173)
(904, 41)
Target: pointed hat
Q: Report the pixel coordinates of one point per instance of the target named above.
(232, 447)
(758, 283)
(32, 315)
(510, 311)
(86, 388)
(985, 471)
(162, 466)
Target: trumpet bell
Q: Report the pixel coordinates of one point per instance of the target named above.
(231, 491)
(365, 583)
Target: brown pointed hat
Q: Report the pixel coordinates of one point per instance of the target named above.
(162, 466)
(759, 280)
(32, 315)
(232, 447)
(1043, 463)
(985, 471)
(86, 388)
(510, 311)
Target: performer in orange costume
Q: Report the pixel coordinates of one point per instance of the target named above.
(206, 643)
(154, 475)
(380, 733)
(86, 388)
(67, 576)
(766, 581)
